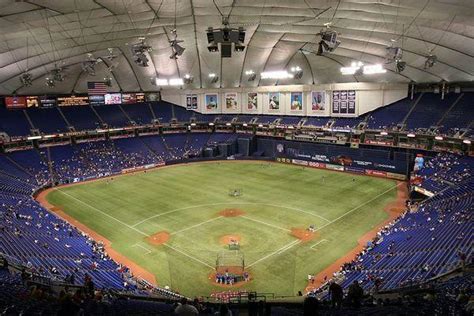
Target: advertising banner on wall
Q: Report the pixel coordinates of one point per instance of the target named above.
(296, 101)
(274, 101)
(15, 102)
(318, 101)
(191, 101)
(211, 101)
(252, 101)
(72, 100)
(231, 101)
(32, 101)
(97, 99)
(49, 101)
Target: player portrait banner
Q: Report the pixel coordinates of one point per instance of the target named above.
(252, 101)
(318, 101)
(211, 102)
(296, 101)
(191, 101)
(231, 101)
(274, 101)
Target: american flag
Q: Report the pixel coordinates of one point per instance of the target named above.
(95, 88)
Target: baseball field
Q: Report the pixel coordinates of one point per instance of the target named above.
(174, 222)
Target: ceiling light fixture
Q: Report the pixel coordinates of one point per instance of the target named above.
(374, 69)
(281, 74)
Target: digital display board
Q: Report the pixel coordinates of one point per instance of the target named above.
(96, 99)
(129, 98)
(140, 97)
(113, 98)
(48, 101)
(15, 102)
(153, 96)
(32, 101)
(73, 100)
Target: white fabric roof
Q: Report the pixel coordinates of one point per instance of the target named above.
(36, 34)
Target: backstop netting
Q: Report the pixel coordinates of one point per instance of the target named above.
(232, 262)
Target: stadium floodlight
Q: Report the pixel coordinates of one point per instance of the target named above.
(57, 74)
(110, 56)
(161, 82)
(178, 50)
(353, 69)
(139, 51)
(176, 82)
(225, 37)
(50, 82)
(251, 75)
(374, 69)
(297, 72)
(213, 78)
(430, 61)
(108, 81)
(383, 133)
(245, 125)
(280, 74)
(467, 142)
(400, 66)
(329, 41)
(393, 53)
(26, 79)
(411, 135)
(188, 79)
(438, 137)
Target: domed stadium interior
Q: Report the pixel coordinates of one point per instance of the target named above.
(236, 157)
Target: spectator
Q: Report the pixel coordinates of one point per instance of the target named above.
(336, 294)
(355, 294)
(185, 309)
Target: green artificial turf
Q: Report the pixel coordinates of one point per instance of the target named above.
(185, 200)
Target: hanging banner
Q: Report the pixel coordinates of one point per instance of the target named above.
(296, 101)
(231, 101)
(274, 101)
(252, 101)
(318, 101)
(211, 102)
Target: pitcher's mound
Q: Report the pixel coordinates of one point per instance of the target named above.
(227, 239)
(231, 212)
(303, 234)
(159, 238)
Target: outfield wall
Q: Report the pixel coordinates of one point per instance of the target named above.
(357, 160)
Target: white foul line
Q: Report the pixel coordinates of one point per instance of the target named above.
(358, 207)
(319, 242)
(138, 245)
(279, 251)
(197, 225)
(264, 223)
(133, 228)
(290, 245)
(105, 214)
